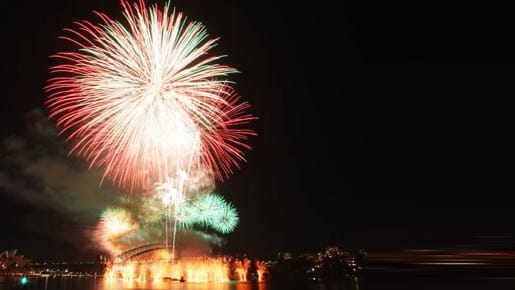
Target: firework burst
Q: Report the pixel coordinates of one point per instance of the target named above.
(208, 210)
(146, 100)
(226, 220)
(116, 222)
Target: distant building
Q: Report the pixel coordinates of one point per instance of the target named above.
(12, 263)
(282, 256)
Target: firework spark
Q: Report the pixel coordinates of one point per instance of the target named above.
(226, 220)
(208, 210)
(147, 99)
(115, 223)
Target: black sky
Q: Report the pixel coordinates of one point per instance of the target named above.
(382, 126)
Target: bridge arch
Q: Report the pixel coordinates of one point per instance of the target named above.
(137, 251)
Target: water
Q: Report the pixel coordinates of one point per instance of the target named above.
(384, 282)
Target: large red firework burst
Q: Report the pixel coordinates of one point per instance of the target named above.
(146, 100)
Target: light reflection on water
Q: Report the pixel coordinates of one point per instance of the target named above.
(174, 285)
(362, 283)
(78, 283)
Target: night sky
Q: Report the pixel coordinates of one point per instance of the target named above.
(380, 127)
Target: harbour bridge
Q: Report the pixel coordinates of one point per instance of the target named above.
(137, 251)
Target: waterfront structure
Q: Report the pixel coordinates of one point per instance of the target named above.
(11, 263)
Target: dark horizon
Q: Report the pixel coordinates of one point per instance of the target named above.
(384, 127)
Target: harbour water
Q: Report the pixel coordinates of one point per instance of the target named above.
(382, 282)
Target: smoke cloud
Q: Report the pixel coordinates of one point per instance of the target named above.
(35, 169)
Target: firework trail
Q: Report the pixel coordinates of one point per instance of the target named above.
(146, 100)
(172, 194)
